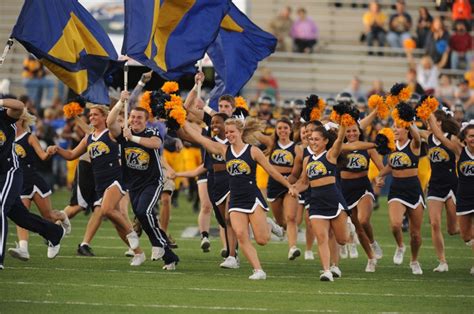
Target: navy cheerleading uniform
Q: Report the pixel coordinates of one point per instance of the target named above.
(33, 182)
(305, 196)
(220, 181)
(282, 156)
(354, 189)
(326, 202)
(105, 162)
(443, 182)
(245, 196)
(465, 195)
(405, 190)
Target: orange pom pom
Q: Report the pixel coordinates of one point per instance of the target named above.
(240, 102)
(335, 117)
(315, 114)
(347, 120)
(145, 102)
(432, 103)
(178, 114)
(409, 44)
(404, 94)
(72, 109)
(391, 101)
(388, 133)
(375, 101)
(398, 121)
(176, 101)
(321, 105)
(170, 87)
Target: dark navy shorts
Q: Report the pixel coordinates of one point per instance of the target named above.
(220, 187)
(83, 186)
(465, 200)
(34, 183)
(326, 202)
(354, 189)
(275, 189)
(442, 190)
(406, 191)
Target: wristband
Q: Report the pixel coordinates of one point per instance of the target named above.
(135, 139)
(141, 83)
(208, 110)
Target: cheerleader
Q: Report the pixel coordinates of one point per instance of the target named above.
(327, 208)
(246, 204)
(464, 151)
(284, 206)
(35, 188)
(11, 180)
(405, 195)
(443, 182)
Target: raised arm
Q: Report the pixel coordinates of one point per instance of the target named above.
(209, 145)
(112, 119)
(358, 145)
(146, 77)
(191, 100)
(366, 121)
(14, 107)
(336, 148)
(454, 146)
(416, 138)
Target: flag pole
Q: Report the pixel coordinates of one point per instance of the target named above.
(199, 83)
(8, 46)
(125, 88)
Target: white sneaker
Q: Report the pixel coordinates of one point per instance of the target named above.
(326, 276)
(442, 267)
(133, 240)
(66, 223)
(308, 255)
(129, 253)
(170, 266)
(293, 253)
(353, 253)
(336, 272)
(230, 262)
(416, 268)
(258, 274)
(276, 229)
(19, 253)
(205, 244)
(157, 253)
(53, 250)
(377, 250)
(398, 256)
(138, 259)
(343, 251)
(371, 263)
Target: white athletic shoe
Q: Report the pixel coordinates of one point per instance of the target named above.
(326, 276)
(353, 253)
(276, 229)
(308, 255)
(170, 266)
(19, 253)
(343, 251)
(53, 250)
(230, 262)
(133, 240)
(205, 244)
(258, 274)
(398, 256)
(66, 223)
(293, 253)
(416, 268)
(377, 250)
(157, 253)
(129, 253)
(336, 272)
(442, 267)
(138, 259)
(371, 263)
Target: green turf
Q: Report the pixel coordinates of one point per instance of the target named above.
(108, 284)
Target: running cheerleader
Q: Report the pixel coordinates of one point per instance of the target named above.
(464, 151)
(327, 208)
(405, 195)
(246, 205)
(443, 182)
(35, 189)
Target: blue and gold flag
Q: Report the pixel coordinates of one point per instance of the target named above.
(170, 36)
(236, 52)
(65, 37)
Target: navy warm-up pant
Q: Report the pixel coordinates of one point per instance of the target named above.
(143, 205)
(11, 206)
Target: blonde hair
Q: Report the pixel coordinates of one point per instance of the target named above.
(250, 129)
(102, 108)
(27, 120)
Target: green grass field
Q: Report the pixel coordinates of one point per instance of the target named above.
(107, 283)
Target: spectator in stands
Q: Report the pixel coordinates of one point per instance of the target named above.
(280, 26)
(267, 84)
(413, 83)
(445, 90)
(35, 82)
(459, 114)
(399, 25)
(377, 89)
(437, 41)
(469, 75)
(461, 47)
(304, 33)
(465, 97)
(354, 89)
(374, 25)
(423, 27)
(462, 11)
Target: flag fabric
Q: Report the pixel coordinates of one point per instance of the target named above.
(236, 52)
(65, 37)
(170, 36)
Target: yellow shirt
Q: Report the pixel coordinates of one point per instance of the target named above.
(370, 18)
(470, 78)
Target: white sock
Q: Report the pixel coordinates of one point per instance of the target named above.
(23, 244)
(84, 243)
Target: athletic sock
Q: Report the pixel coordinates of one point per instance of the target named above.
(84, 243)
(204, 234)
(23, 244)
